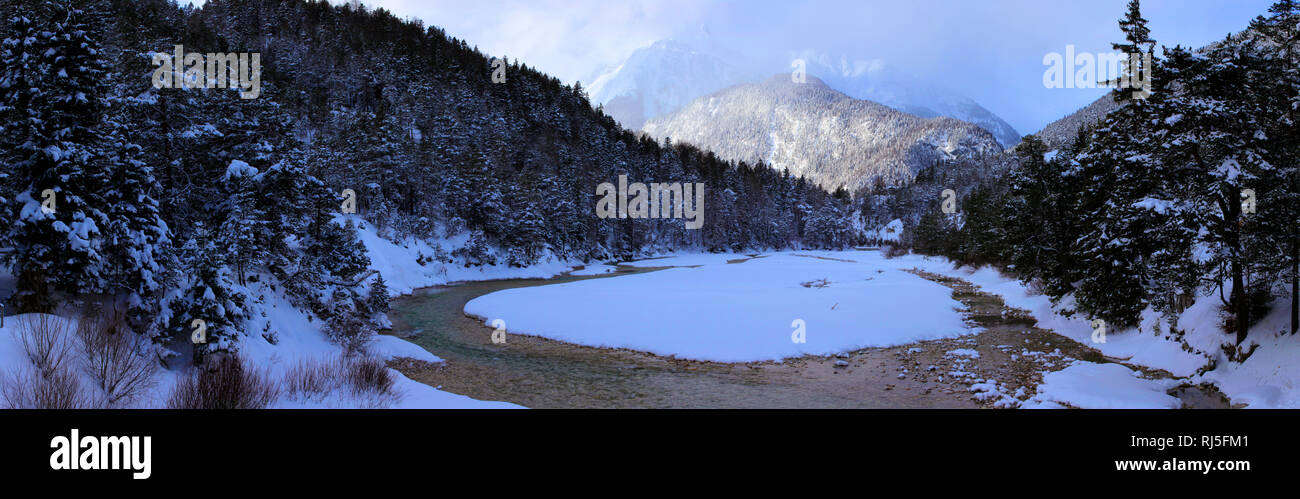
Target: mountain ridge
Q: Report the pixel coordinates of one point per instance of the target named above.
(668, 74)
(852, 142)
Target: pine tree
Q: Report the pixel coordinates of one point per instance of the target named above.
(1279, 204)
(284, 198)
(1217, 148)
(377, 300)
(1115, 202)
(20, 61)
(339, 252)
(1040, 217)
(1137, 41)
(52, 149)
(932, 235)
(526, 239)
(983, 238)
(242, 221)
(208, 301)
(136, 257)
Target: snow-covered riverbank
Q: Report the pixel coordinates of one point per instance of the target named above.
(1270, 378)
(846, 300)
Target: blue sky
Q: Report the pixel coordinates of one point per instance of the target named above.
(989, 50)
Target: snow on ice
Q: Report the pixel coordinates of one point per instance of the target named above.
(735, 312)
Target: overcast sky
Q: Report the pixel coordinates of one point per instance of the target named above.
(989, 50)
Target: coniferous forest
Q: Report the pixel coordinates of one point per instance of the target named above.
(347, 204)
(386, 198)
(170, 200)
(1190, 192)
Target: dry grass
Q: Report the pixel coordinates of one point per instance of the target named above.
(226, 382)
(27, 387)
(311, 377)
(365, 377)
(368, 375)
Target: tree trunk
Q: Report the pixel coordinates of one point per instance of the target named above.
(1241, 301)
(1240, 298)
(1295, 287)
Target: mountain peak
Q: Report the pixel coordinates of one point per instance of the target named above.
(666, 75)
(813, 130)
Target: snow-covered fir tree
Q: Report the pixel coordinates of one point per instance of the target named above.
(53, 145)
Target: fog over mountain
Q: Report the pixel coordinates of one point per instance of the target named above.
(660, 79)
(876, 80)
(666, 75)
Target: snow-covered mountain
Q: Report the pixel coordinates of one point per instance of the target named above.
(1062, 133)
(660, 79)
(813, 130)
(876, 81)
(668, 74)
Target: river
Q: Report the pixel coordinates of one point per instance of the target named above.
(541, 373)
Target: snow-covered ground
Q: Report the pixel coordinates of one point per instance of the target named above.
(398, 263)
(1088, 385)
(1270, 378)
(296, 338)
(737, 312)
(745, 311)
(757, 310)
(1143, 347)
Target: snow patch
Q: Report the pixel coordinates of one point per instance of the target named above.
(1089, 385)
(736, 312)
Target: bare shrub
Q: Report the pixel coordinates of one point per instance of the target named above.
(44, 339)
(365, 377)
(225, 382)
(368, 374)
(311, 376)
(47, 382)
(28, 387)
(111, 356)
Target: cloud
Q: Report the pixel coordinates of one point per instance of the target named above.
(991, 51)
(570, 39)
